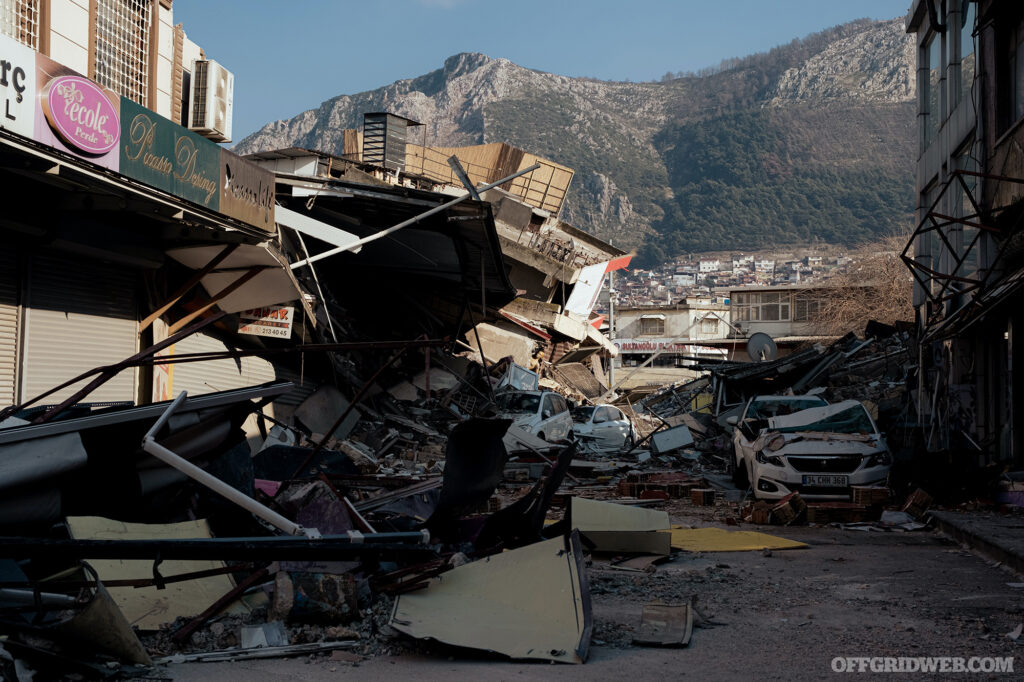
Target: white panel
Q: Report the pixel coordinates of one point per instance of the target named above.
(8, 327)
(78, 316)
(69, 54)
(163, 103)
(71, 21)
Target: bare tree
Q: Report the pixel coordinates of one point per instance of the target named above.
(878, 286)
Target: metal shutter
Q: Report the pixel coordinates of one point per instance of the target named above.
(216, 375)
(221, 375)
(8, 327)
(78, 315)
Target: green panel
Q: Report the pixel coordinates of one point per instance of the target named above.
(161, 153)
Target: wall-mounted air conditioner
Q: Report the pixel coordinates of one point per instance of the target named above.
(213, 89)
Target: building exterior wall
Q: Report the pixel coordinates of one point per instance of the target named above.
(970, 118)
(67, 33)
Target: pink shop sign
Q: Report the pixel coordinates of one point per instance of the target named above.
(80, 112)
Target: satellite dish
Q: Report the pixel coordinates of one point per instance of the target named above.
(761, 348)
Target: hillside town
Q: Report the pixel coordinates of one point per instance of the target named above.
(393, 407)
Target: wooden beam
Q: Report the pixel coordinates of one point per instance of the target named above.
(187, 286)
(249, 274)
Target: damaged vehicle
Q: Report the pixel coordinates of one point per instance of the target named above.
(603, 427)
(545, 414)
(820, 451)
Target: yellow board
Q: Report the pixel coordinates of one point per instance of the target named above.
(721, 540)
(147, 607)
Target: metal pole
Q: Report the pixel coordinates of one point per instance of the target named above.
(611, 325)
(410, 221)
(150, 445)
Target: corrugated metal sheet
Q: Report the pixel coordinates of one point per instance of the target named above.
(8, 327)
(221, 375)
(78, 315)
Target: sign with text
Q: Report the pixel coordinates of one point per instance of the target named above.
(75, 115)
(246, 191)
(17, 87)
(273, 321)
(163, 154)
(654, 345)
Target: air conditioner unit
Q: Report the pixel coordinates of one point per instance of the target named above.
(213, 89)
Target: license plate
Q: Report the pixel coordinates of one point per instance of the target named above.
(827, 481)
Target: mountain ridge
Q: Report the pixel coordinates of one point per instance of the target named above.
(728, 158)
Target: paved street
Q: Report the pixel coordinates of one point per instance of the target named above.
(783, 616)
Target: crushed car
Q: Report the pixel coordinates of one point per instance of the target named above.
(545, 414)
(603, 427)
(820, 451)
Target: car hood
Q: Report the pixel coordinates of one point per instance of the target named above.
(518, 418)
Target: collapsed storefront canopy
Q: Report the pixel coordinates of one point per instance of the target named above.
(443, 263)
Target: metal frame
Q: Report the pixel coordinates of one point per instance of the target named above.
(934, 221)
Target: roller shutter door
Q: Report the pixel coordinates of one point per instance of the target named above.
(222, 375)
(8, 327)
(78, 315)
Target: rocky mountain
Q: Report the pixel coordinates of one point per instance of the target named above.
(812, 141)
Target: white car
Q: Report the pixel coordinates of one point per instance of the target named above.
(820, 451)
(543, 413)
(603, 427)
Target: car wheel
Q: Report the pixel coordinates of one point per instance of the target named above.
(739, 475)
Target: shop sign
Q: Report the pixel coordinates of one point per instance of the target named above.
(17, 87)
(273, 321)
(75, 115)
(247, 191)
(80, 112)
(160, 153)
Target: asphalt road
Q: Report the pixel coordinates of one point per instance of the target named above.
(783, 616)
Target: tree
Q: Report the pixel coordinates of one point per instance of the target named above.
(878, 286)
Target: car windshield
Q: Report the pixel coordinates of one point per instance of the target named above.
(854, 419)
(765, 409)
(517, 402)
(582, 414)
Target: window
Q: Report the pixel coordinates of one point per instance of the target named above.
(1010, 62)
(932, 86)
(709, 325)
(653, 326)
(765, 306)
(122, 47)
(967, 233)
(806, 307)
(967, 68)
(19, 19)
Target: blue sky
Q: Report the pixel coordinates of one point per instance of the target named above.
(289, 56)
